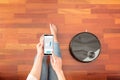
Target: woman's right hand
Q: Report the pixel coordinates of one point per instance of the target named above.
(56, 63)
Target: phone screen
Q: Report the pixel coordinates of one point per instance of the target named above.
(48, 44)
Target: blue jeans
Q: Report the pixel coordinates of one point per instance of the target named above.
(47, 72)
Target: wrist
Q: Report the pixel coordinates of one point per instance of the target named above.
(60, 75)
(59, 71)
(40, 55)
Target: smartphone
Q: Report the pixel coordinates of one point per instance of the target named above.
(48, 44)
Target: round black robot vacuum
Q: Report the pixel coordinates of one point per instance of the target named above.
(85, 47)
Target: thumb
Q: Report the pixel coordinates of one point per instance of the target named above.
(53, 58)
(38, 45)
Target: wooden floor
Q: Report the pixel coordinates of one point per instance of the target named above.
(23, 21)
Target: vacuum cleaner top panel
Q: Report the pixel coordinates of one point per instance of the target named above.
(85, 47)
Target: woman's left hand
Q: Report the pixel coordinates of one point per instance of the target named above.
(40, 47)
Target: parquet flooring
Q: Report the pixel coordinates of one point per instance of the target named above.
(23, 21)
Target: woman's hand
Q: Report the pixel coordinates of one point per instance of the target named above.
(36, 69)
(40, 47)
(56, 63)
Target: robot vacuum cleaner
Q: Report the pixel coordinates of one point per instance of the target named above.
(85, 47)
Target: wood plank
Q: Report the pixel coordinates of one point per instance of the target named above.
(22, 22)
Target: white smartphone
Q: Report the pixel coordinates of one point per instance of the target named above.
(48, 44)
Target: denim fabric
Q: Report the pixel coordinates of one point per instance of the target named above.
(47, 72)
(52, 74)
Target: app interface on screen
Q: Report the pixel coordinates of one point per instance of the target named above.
(48, 47)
